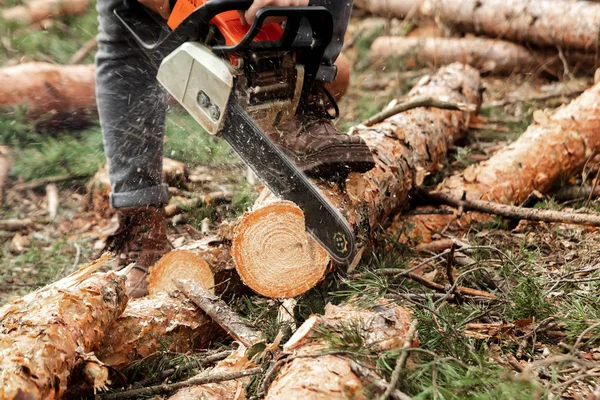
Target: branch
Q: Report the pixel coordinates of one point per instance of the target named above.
(416, 103)
(220, 312)
(168, 388)
(512, 212)
(412, 331)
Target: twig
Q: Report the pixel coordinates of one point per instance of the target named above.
(540, 97)
(220, 312)
(192, 364)
(513, 212)
(401, 363)
(571, 193)
(171, 387)
(52, 200)
(15, 224)
(34, 183)
(416, 103)
(373, 379)
(5, 166)
(86, 49)
(581, 336)
(440, 288)
(449, 262)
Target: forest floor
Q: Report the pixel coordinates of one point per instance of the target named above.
(539, 339)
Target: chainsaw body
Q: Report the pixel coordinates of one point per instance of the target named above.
(236, 81)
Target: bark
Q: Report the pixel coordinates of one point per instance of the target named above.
(555, 23)
(240, 330)
(310, 373)
(227, 390)
(52, 95)
(555, 147)
(490, 56)
(38, 10)
(273, 254)
(43, 334)
(156, 323)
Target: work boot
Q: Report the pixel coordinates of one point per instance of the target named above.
(317, 147)
(141, 240)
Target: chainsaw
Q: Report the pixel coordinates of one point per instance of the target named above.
(237, 80)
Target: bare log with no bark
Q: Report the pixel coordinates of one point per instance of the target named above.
(556, 146)
(53, 95)
(562, 24)
(311, 373)
(44, 334)
(37, 10)
(491, 56)
(276, 257)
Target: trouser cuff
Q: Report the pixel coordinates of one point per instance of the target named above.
(151, 196)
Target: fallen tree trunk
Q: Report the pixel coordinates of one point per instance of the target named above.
(542, 22)
(273, 254)
(311, 373)
(490, 56)
(43, 334)
(53, 95)
(156, 323)
(556, 146)
(38, 10)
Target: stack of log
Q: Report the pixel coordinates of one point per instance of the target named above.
(521, 36)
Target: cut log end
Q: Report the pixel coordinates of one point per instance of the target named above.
(274, 254)
(179, 263)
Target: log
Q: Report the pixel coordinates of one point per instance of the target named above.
(52, 95)
(311, 373)
(490, 56)
(179, 263)
(226, 390)
(273, 254)
(541, 22)
(156, 323)
(555, 147)
(37, 10)
(43, 334)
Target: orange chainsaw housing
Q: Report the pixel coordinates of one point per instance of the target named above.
(228, 23)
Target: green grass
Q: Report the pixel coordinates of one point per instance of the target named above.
(189, 143)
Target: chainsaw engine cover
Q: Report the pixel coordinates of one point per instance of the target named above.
(200, 81)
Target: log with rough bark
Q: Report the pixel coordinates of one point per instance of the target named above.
(276, 257)
(560, 24)
(311, 373)
(52, 95)
(555, 147)
(37, 10)
(491, 56)
(156, 323)
(44, 334)
(226, 390)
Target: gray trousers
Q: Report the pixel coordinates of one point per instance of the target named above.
(132, 107)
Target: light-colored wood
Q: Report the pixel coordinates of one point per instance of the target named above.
(44, 334)
(182, 264)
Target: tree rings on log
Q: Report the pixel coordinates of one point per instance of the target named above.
(181, 264)
(273, 253)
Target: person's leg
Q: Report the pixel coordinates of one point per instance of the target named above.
(132, 109)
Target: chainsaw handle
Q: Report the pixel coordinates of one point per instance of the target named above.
(154, 36)
(157, 40)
